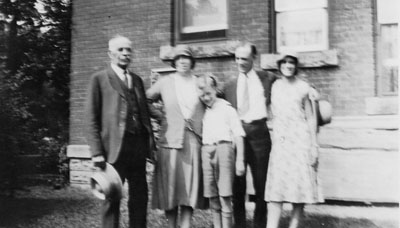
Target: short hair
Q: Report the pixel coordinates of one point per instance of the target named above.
(249, 45)
(210, 80)
(115, 38)
(207, 80)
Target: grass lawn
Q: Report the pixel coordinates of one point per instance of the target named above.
(44, 207)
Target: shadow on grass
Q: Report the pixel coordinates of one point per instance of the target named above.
(202, 219)
(334, 222)
(43, 213)
(73, 209)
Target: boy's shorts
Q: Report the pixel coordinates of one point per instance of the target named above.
(218, 162)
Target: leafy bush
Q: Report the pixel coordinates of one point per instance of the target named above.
(34, 83)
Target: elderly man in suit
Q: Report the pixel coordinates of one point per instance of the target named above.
(119, 130)
(249, 92)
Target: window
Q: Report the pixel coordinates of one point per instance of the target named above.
(301, 25)
(201, 19)
(387, 47)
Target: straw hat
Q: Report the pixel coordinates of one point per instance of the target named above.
(285, 54)
(323, 110)
(183, 50)
(107, 184)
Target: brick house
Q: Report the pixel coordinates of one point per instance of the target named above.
(348, 49)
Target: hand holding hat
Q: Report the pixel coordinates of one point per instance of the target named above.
(99, 162)
(107, 184)
(322, 110)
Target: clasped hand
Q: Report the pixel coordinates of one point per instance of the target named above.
(240, 168)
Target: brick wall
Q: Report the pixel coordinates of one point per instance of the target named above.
(351, 33)
(148, 24)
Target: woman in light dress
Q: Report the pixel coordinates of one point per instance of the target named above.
(177, 185)
(292, 168)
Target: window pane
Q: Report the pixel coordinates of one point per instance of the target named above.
(388, 11)
(305, 30)
(204, 15)
(389, 58)
(286, 5)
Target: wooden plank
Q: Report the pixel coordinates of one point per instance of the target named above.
(359, 175)
(368, 139)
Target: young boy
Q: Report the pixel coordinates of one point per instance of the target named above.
(222, 132)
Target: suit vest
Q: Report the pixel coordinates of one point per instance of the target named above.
(133, 123)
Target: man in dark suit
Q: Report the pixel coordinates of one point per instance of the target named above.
(119, 130)
(249, 92)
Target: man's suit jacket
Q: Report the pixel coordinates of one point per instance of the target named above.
(230, 88)
(106, 113)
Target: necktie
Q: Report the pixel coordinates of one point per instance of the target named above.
(126, 81)
(244, 106)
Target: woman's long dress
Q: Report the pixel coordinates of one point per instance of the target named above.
(290, 177)
(178, 178)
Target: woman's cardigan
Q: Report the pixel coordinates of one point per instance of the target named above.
(173, 122)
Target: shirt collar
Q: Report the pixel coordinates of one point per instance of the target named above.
(213, 105)
(251, 73)
(119, 71)
(218, 102)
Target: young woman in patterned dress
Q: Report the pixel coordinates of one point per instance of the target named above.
(291, 176)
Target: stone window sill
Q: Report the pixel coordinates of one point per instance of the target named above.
(203, 50)
(328, 58)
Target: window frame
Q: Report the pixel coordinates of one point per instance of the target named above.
(324, 46)
(211, 35)
(380, 92)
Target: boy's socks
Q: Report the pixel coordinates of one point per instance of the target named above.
(217, 222)
(226, 220)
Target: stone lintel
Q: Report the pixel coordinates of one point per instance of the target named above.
(78, 151)
(203, 50)
(313, 59)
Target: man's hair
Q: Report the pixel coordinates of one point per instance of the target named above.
(249, 45)
(114, 39)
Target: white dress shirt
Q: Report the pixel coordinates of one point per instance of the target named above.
(257, 108)
(221, 123)
(120, 72)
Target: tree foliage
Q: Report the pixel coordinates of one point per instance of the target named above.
(34, 77)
